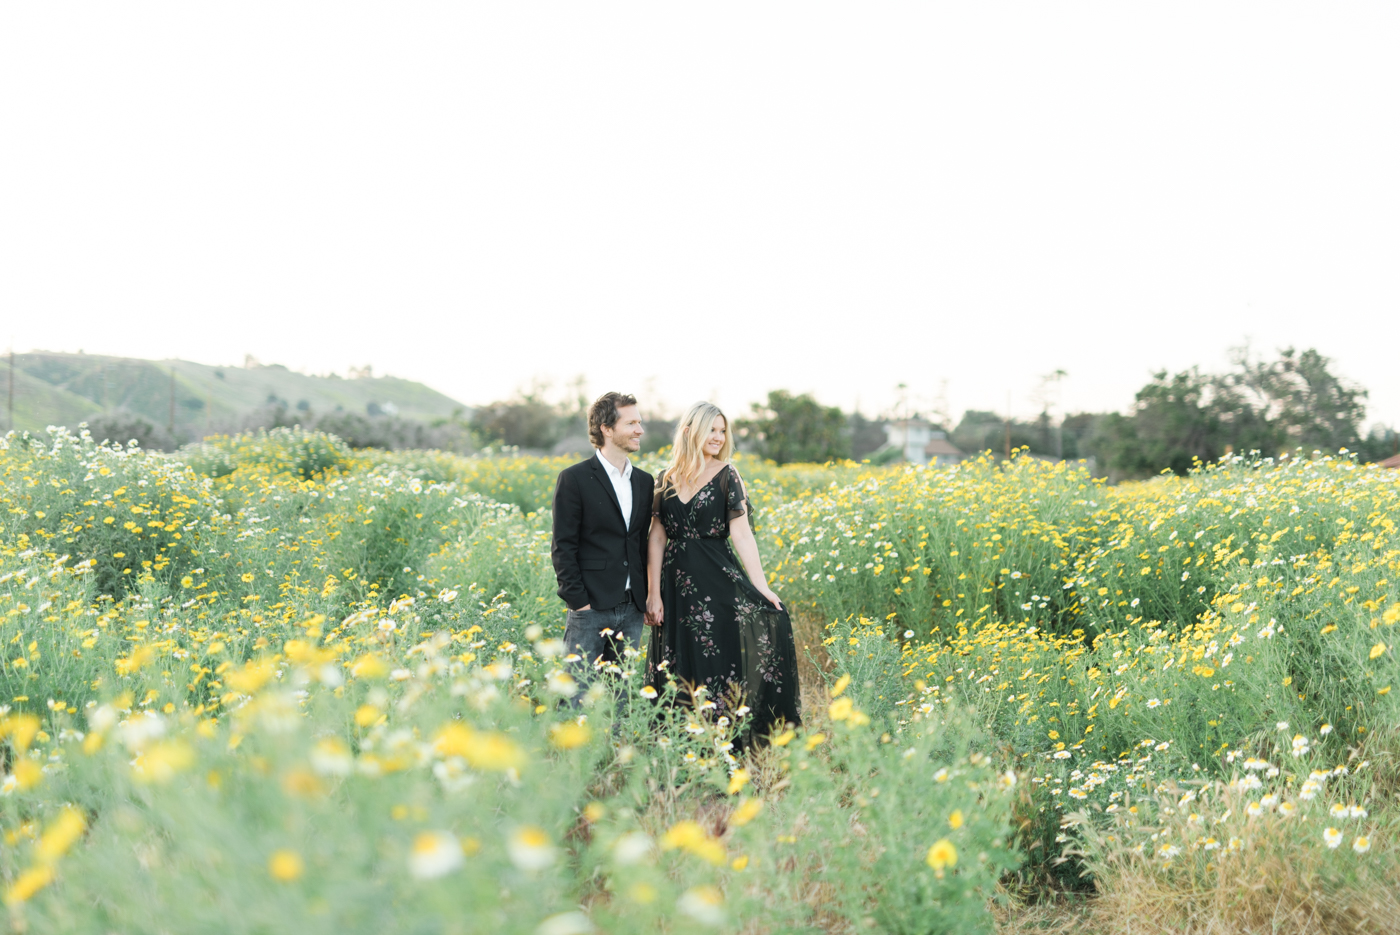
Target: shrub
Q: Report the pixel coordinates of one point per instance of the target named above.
(277, 451)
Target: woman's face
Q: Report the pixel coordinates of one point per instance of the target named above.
(715, 441)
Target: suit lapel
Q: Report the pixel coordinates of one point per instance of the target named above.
(640, 509)
(607, 485)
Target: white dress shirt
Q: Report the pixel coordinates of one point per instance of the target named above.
(622, 484)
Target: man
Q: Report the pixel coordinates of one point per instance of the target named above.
(602, 513)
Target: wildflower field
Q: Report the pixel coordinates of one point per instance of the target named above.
(271, 683)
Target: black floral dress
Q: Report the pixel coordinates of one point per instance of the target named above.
(717, 629)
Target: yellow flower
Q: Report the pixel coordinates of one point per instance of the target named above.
(569, 735)
(690, 837)
(21, 729)
(742, 861)
(301, 782)
(61, 835)
(840, 685)
(28, 883)
(367, 714)
(840, 709)
(369, 666)
(955, 820)
(738, 780)
(250, 678)
(285, 866)
(941, 855)
(747, 811)
(160, 763)
(138, 659)
(28, 774)
(1377, 650)
(485, 750)
(785, 738)
(815, 741)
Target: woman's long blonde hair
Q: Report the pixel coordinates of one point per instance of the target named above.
(687, 451)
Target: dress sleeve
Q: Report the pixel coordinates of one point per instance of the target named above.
(738, 499)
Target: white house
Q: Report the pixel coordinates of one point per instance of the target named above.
(920, 443)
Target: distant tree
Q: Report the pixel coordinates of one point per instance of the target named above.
(659, 434)
(796, 428)
(867, 435)
(1272, 407)
(980, 430)
(1380, 443)
(1078, 432)
(395, 432)
(1300, 400)
(526, 421)
(1173, 424)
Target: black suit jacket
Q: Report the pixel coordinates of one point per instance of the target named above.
(593, 550)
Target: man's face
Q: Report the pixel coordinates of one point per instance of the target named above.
(627, 432)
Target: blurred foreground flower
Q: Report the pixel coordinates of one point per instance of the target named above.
(331, 757)
(435, 854)
(566, 923)
(162, 761)
(530, 849)
(942, 855)
(690, 837)
(28, 883)
(704, 904)
(285, 866)
(486, 750)
(632, 848)
(569, 735)
(61, 835)
(747, 811)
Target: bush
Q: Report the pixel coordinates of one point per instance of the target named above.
(278, 451)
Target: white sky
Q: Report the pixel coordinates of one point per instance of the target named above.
(708, 200)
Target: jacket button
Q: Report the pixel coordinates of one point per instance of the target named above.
(624, 563)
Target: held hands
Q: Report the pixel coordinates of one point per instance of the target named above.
(654, 612)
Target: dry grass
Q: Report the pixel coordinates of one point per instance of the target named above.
(1058, 917)
(1139, 904)
(808, 631)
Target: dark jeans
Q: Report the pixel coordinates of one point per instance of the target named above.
(583, 634)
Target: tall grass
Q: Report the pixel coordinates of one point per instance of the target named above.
(335, 701)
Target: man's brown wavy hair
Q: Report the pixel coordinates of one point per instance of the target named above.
(604, 412)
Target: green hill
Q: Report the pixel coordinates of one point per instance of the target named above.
(65, 389)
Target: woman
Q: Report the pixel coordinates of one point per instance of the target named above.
(715, 621)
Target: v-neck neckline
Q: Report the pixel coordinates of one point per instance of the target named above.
(698, 489)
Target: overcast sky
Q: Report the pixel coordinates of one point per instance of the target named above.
(708, 200)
